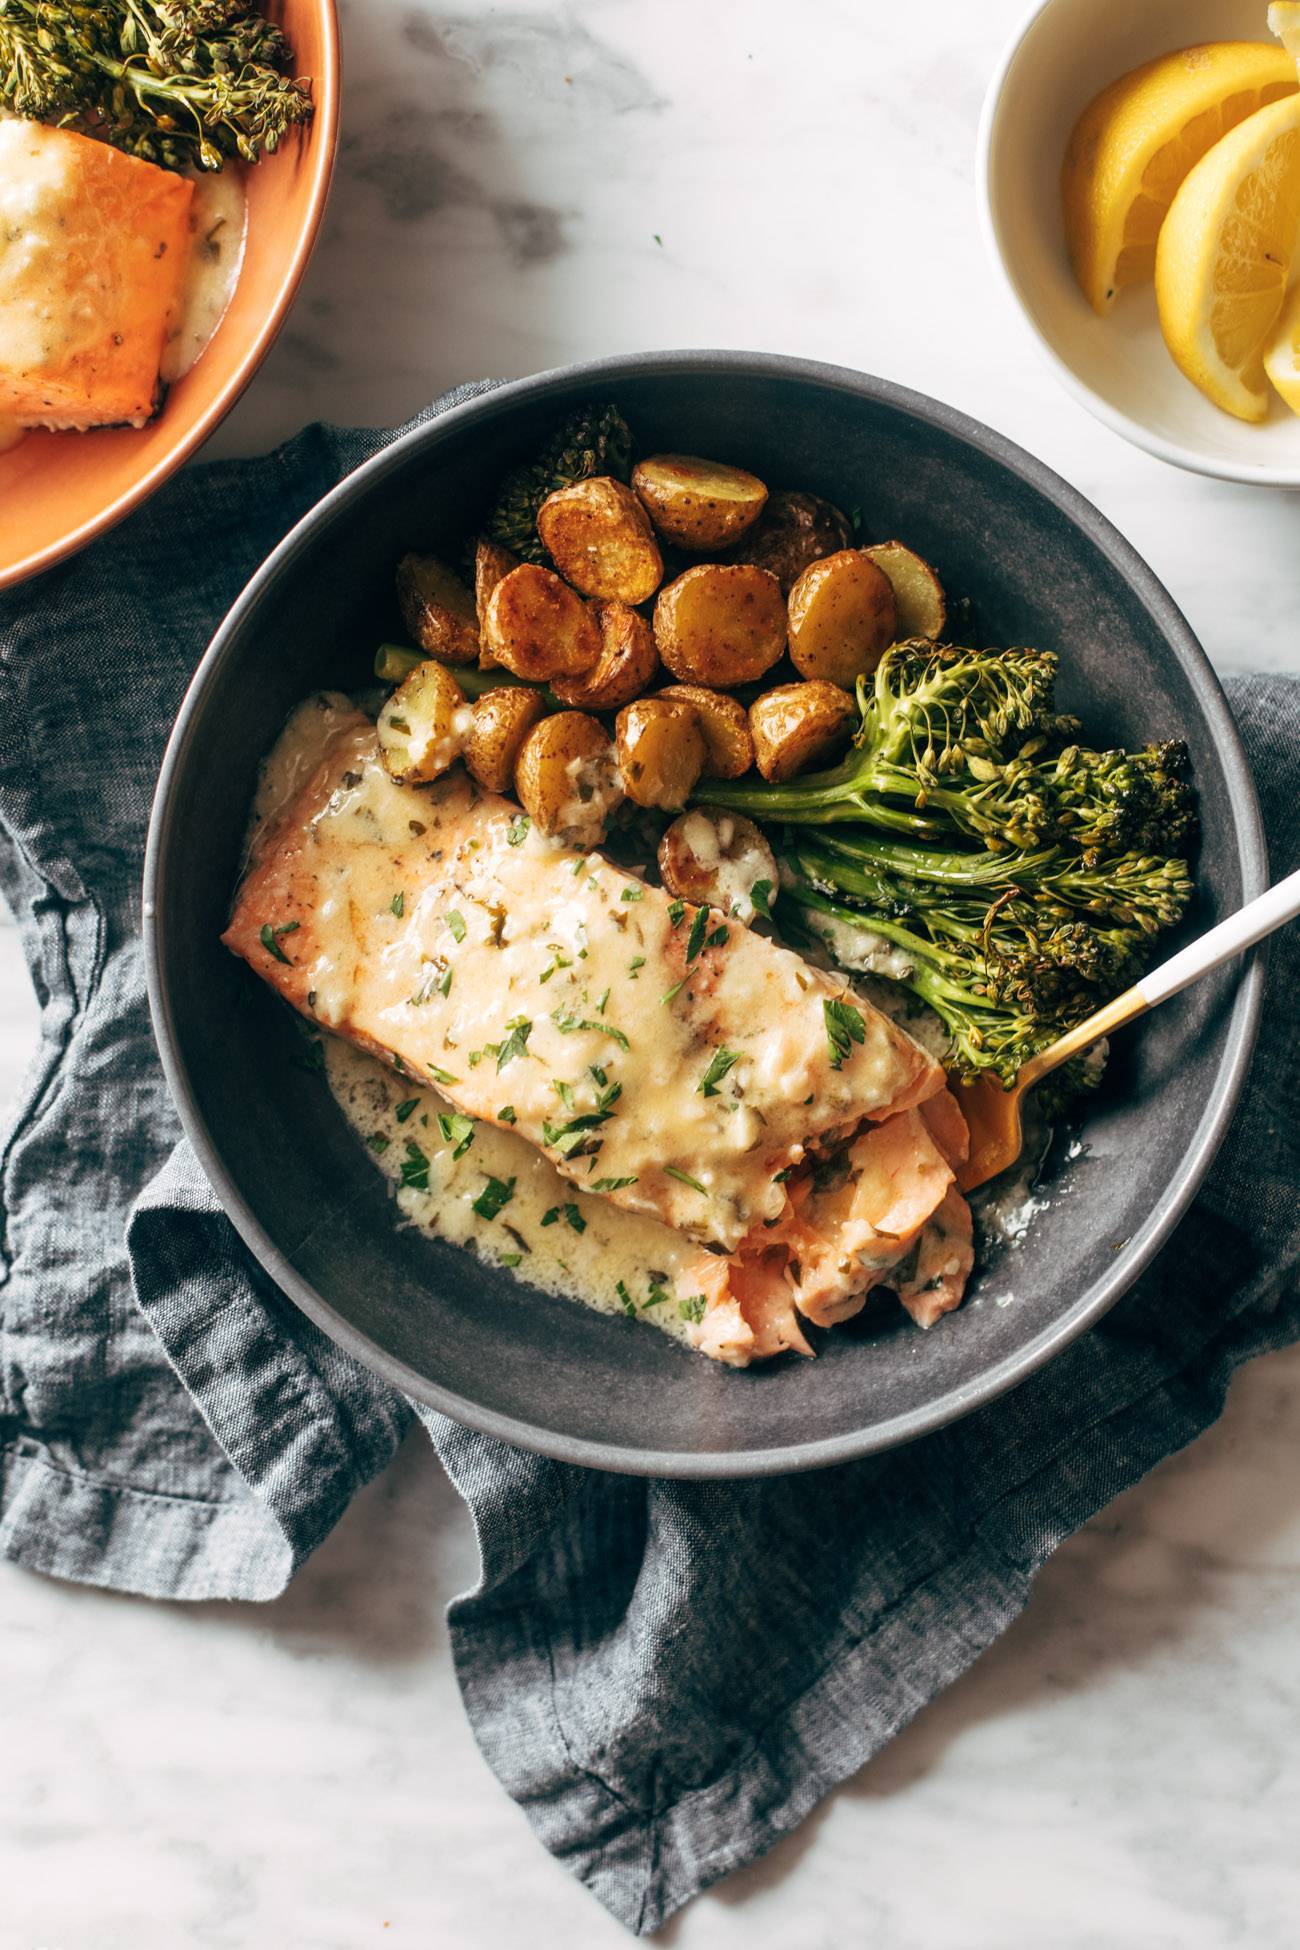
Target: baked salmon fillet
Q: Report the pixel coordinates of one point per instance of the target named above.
(93, 247)
(657, 1053)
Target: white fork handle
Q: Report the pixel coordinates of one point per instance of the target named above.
(1240, 931)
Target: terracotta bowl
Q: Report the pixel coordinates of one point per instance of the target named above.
(60, 490)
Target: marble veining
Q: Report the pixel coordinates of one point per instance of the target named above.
(518, 186)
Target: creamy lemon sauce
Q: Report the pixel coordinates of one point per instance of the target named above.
(547, 1232)
(217, 226)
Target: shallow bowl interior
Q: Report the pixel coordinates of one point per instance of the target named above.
(1118, 366)
(1040, 566)
(58, 490)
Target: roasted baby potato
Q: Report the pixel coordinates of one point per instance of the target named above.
(629, 662)
(567, 778)
(423, 726)
(918, 592)
(725, 724)
(798, 725)
(502, 720)
(843, 617)
(721, 624)
(437, 609)
(491, 564)
(698, 504)
(538, 628)
(661, 751)
(717, 859)
(599, 537)
(793, 531)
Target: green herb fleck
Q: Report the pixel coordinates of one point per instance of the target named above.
(718, 939)
(456, 922)
(377, 1141)
(693, 1307)
(506, 1115)
(564, 1091)
(637, 961)
(510, 1259)
(684, 1178)
(612, 1184)
(632, 894)
(600, 1006)
(517, 831)
(671, 995)
(844, 1028)
(403, 1111)
(676, 909)
(516, 1043)
(398, 905)
(760, 896)
(441, 1076)
(270, 939)
(568, 1024)
(629, 1304)
(494, 1198)
(458, 1131)
(695, 939)
(415, 1168)
(721, 1061)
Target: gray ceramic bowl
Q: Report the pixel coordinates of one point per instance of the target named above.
(1041, 566)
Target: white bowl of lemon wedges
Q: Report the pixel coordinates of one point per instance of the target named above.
(1140, 181)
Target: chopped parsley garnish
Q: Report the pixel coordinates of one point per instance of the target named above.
(718, 939)
(612, 1184)
(676, 909)
(844, 1028)
(415, 1168)
(458, 1131)
(684, 1178)
(506, 1114)
(695, 939)
(377, 1141)
(436, 977)
(574, 1136)
(569, 1213)
(600, 1006)
(270, 939)
(567, 1024)
(517, 831)
(561, 961)
(441, 1076)
(403, 1111)
(444, 985)
(564, 1091)
(633, 894)
(760, 897)
(510, 1259)
(693, 1307)
(671, 995)
(601, 1076)
(637, 961)
(516, 1043)
(398, 906)
(494, 1198)
(456, 922)
(721, 1061)
(629, 1304)
(657, 1296)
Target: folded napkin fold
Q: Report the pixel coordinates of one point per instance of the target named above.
(666, 1677)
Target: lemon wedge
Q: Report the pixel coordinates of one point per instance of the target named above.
(1133, 146)
(1282, 355)
(1223, 260)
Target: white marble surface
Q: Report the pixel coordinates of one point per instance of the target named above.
(519, 186)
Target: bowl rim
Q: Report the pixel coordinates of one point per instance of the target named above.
(1101, 408)
(1141, 1247)
(322, 147)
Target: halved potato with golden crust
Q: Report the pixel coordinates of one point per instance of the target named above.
(599, 537)
(918, 592)
(491, 564)
(437, 609)
(843, 617)
(794, 530)
(725, 724)
(798, 725)
(538, 628)
(629, 662)
(502, 720)
(718, 859)
(423, 725)
(698, 504)
(567, 778)
(721, 624)
(661, 751)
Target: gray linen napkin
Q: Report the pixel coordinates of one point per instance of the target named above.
(666, 1677)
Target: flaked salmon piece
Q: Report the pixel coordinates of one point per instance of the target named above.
(944, 1258)
(93, 247)
(657, 1053)
(751, 1314)
(948, 1127)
